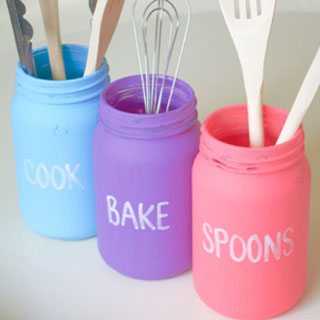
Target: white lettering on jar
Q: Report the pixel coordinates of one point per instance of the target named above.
(128, 213)
(255, 249)
(288, 241)
(243, 248)
(161, 215)
(254, 258)
(221, 237)
(145, 217)
(275, 247)
(57, 177)
(42, 176)
(209, 245)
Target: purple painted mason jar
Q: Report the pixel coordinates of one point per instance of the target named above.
(142, 166)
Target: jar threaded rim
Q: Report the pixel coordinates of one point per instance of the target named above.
(121, 104)
(230, 124)
(76, 89)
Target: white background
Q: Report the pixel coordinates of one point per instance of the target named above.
(55, 280)
(71, 20)
(198, 5)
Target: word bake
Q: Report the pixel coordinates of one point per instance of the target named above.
(57, 177)
(141, 217)
(255, 249)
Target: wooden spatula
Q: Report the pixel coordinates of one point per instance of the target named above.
(104, 23)
(303, 101)
(50, 16)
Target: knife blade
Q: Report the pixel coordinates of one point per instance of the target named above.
(23, 33)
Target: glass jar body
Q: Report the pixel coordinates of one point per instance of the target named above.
(250, 219)
(53, 124)
(143, 189)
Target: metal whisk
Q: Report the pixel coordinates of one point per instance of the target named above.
(157, 27)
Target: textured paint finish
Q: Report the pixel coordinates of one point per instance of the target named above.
(53, 124)
(143, 181)
(250, 217)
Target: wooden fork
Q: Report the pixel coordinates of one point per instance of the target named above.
(249, 23)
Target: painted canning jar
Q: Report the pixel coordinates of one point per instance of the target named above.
(143, 168)
(250, 216)
(53, 124)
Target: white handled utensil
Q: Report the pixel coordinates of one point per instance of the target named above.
(50, 16)
(249, 23)
(104, 22)
(303, 101)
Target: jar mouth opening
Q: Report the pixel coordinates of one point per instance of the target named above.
(234, 132)
(125, 96)
(62, 92)
(74, 71)
(122, 109)
(225, 141)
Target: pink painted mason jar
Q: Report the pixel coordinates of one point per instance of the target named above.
(250, 217)
(143, 164)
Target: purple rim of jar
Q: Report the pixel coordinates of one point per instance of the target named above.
(126, 93)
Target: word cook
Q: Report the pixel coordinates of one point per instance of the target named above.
(57, 177)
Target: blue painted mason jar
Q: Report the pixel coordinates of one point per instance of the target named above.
(53, 124)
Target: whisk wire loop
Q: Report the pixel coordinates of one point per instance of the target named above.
(154, 62)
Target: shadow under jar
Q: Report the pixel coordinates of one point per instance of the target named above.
(143, 180)
(250, 216)
(53, 124)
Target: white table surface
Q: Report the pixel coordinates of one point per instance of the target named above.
(45, 279)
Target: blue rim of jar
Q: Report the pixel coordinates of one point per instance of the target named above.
(62, 88)
(148, 126)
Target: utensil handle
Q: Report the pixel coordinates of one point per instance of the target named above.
(50, 15)
(303, 101)
(29, 61)
(255, 120)
(252, 65)
(252, 71)
(104, 22)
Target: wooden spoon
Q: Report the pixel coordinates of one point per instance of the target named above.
(104, 22)
(50, 16)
